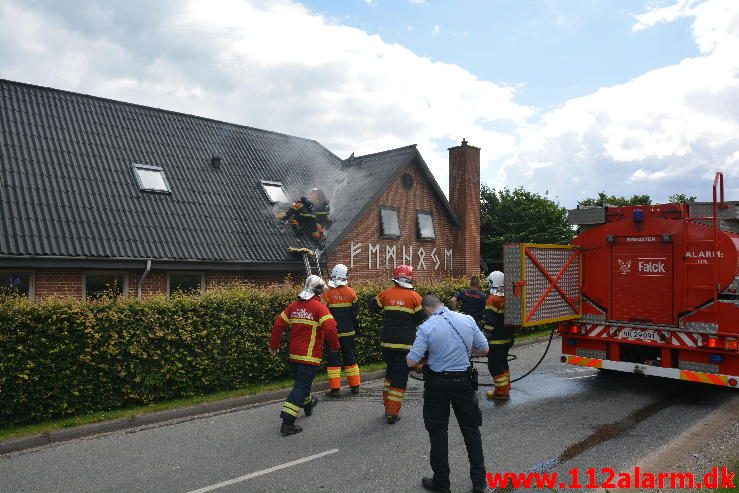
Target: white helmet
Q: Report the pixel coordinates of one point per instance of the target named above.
(339, 276)
(314, 286)
(496, 279)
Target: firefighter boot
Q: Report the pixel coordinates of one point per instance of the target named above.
(310, 406)
(393, 404)
(501, 388)
(333, 393)
(334, 380)
(289, 429)
(353, 377)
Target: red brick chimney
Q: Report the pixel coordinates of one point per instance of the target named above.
(464, 196)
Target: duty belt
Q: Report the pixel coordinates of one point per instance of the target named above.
(448, 374)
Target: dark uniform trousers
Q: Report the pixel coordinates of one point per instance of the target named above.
(345, 355)
(441, 392)
(299, 396)
(498, 356)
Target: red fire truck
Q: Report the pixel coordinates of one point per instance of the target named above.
(650, 289)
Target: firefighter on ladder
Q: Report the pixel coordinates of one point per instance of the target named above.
(500, 338)
(344, 305)
(402, 313)
(302, 217)
(321, 208)
(310, 322)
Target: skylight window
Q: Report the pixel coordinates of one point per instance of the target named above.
(150, 178)
(275, 192)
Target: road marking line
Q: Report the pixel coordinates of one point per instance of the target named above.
(264, 471)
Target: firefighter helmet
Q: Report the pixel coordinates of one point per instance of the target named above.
(339, 276)
(314, 286)
(403, 276)
(496, 279)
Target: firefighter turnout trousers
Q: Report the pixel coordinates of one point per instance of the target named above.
(396, 380)
(343, 359)
(299, 397)
(498, 366)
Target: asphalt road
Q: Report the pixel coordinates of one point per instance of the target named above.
(558, 418)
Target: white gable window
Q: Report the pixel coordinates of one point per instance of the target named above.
(150, 178)
(275, 192)
(389, 222)
(425, 225)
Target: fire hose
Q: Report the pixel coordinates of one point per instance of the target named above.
(511, 357)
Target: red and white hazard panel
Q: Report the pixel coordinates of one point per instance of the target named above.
(543, 283)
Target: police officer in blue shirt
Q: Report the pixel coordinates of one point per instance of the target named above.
(450, 339)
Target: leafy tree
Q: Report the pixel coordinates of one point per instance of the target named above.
(681, 198)
(519, 216)
(603, 200)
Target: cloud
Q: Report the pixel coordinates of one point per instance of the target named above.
(270, 64)
(663, 132)
(436, 30)
(277, 65)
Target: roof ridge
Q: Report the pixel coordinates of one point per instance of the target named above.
(411, 146)
(154, 108)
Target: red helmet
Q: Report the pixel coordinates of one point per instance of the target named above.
(403, 276)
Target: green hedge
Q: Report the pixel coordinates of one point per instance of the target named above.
(63, 357)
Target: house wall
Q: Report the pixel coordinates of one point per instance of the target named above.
(362, 247)
(69, 283)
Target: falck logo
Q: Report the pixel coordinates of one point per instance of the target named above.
(624, 266)
(302, 313)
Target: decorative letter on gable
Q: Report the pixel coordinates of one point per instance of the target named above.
(421, 258)
(408, 259)
(435, 258)
(376, 250)
(390, 253)
(448, 264)
(355, 250)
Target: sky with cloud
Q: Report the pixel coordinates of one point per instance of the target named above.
(565, 98)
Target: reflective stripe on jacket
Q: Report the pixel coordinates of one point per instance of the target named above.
(344, 306)
(495, 327)
(310, 322)
(402, 313)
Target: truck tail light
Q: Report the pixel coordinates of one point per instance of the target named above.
(732, 381)
(569, 329)
(731, 344)
(712, 342)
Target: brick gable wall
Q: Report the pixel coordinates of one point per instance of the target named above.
(366, 234)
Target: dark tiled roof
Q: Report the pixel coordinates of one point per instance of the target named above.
(366, 178)
(67, 186)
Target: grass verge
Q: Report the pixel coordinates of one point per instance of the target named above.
(543, 331)
(11, 432)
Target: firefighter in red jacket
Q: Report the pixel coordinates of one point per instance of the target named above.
(310, 322)
(344, 305)
(402, 313)
(500, 338)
